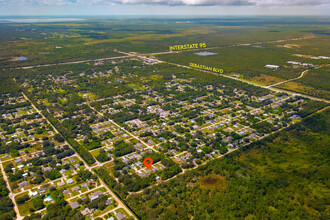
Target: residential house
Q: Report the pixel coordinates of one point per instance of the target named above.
(142, 174)
(33, 193)
(48, 199)
(108, 202)
(85, 212)
(61, 184)
(76, 188)
(120, 216)
(22, 184)
(84, 185)
(74, 205)
(91, 182)
(96, 195)
(46, 169)
(65, 192)
(42, 190)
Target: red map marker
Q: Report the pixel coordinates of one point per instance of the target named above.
(148, 165)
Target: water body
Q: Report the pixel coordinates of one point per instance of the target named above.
(37, 20)
(205, 53)
(19, 58)
(22, 58)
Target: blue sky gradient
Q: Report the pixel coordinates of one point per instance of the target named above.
(164, 7)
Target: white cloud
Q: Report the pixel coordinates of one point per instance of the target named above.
(172, 2)
(222, 2)
(291, 2)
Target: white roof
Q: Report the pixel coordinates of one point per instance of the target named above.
(48, 199)
(271, 66)
(31, 193)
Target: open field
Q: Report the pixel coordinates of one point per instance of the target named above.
(98, 38)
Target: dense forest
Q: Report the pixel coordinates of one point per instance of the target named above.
(284, 176)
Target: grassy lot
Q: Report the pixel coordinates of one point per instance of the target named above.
(305, 89)
(212, 181)
(24, 208)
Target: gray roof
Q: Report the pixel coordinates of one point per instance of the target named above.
(76, 188)
(84, 185)
(42, 190)
(22, 184)
(74, 205)
(98, 193)
(120, 216)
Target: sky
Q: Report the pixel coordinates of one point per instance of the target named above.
(164, 7)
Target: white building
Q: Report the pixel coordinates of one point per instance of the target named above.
(272, 66)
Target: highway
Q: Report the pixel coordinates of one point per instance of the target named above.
(133, 54)
(255, 84)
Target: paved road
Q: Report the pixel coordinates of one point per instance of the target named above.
(11, 195)
(132, 135)
(229, 151)
(130, 54)
(120, 203)
(254, 84)
(73, 62)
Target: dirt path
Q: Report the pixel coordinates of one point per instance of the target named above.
(11, 195)
(276, 84)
